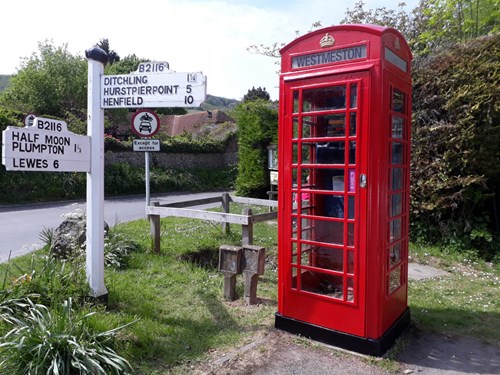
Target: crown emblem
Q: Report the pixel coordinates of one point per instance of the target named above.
(327, 41)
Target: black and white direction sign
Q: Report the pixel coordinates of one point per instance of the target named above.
(153, 85)
(47, 146)
(145, 123)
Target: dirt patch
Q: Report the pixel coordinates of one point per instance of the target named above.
(205, 258)
(274, 352)
(278, 353)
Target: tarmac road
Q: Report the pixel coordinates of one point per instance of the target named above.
(21, 225)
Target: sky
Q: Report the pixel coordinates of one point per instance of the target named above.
(211, 36)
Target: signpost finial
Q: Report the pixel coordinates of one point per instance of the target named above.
(98, 54)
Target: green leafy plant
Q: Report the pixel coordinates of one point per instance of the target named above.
(117, 248)
(55, 342)
(50, 279)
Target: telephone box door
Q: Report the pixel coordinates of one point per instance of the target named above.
(324, 219)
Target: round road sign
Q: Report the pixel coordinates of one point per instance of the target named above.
(145, 123)
(28, 119)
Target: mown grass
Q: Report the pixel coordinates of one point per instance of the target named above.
(177, 296)
(465, 302)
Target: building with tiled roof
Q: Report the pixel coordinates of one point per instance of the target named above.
(193, 123)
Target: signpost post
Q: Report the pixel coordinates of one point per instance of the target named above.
(146, 123)
(97, 58)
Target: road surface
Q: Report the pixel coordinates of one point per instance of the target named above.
(21, 225)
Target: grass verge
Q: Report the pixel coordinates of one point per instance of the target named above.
(177, 297)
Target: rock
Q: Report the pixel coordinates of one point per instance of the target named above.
(69, 238)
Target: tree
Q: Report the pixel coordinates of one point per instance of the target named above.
(112, 55)
(400, 20)
(443, 22)
(50, 82)
(126, 65)
(256, 93)
(433, 23)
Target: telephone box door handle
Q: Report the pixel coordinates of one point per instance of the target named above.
(362, 180)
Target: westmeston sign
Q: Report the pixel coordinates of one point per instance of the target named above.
(47, 146)
(153, 85)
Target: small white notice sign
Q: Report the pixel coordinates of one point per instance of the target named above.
(146, 145)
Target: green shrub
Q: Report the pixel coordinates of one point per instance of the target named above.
(456, 137)
(258, 127)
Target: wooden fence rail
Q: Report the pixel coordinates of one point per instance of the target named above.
(178, 209)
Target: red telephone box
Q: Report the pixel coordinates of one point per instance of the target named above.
(344, 147)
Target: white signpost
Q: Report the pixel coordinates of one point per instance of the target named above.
(46, 146)
(153, 85)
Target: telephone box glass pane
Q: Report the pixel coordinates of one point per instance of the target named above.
(321, 283)
(294, 253)
(294, 277)
(397, 178)
(397, 127)
(295, 102)
(352, 152)
(395, 229)
(354, 96)
(307, 127)
(295, 128)
(394, 279)
(397, 153)
(324, 99)
(295, 153)
(336, 125)
(327, 231)
(396, 204)
(350, 214)
(330, 153)
(338, 182)
(327, 258)
(394, 254)
(306, 153)
(350, 234)
(398, 101)
(350, 262)
(323, 126)
(352, 125)
(350, 290)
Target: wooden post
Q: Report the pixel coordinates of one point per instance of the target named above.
(250, 287)
(226, 199)
(154, 221)
(252, 265)
(229, 286)
(230, 266)
(247, 230)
